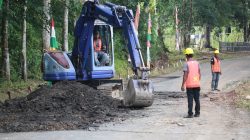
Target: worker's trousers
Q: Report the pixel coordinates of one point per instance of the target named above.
(215, 80)
(101, 58)
(193, 94)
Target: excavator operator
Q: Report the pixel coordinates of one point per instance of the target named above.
(101, 58)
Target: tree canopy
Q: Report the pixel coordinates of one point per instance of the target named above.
(191, 14)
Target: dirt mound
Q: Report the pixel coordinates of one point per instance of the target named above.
(66, 105)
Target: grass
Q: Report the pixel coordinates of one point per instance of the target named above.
(17, 89)
(243, 91)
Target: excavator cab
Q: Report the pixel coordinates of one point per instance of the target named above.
(102, 51)
(103, 44)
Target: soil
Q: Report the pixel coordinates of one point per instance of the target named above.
(66, 105)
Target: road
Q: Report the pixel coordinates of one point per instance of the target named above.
(164, 119)
(232, 71)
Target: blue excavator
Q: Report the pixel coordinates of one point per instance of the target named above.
(80, 64)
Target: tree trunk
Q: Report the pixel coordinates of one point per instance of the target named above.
(208, 32)
(248, 32)
(65, 26)
(24, 44)
(245, 20)
(5, 47)
(183, 31)
(245, 32)
(161, 40)
(177, 33)
(185, 40)
(46, 28)
(189, 26)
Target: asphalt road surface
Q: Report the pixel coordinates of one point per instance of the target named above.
(164, 119)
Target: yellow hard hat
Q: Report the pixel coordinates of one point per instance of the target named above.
(216, 51)
(189, 51)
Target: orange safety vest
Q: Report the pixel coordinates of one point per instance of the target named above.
(193, 79)
(216, 65)
(99, 47)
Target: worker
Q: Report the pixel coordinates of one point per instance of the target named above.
(216, 70)
(101, 58)
(191, 82)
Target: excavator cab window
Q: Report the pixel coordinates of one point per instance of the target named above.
(102, 45)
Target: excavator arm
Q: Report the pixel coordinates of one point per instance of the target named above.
(139, 91)
(115, 15)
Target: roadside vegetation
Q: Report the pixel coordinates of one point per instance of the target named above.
(243, 95)
(18, 88)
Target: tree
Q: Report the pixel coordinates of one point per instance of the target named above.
(241, 15)
(24, 43)
(161, 19)
(185, 18)
(65, 26)
(245, 20)
(5, 47)
(206, 14)
(46, 33)
(210, 14)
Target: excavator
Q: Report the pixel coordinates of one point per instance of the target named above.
(80, 64)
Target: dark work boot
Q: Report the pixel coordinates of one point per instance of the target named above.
(189, 116)
(197, 115)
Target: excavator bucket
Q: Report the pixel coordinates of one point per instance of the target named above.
(139, 93)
